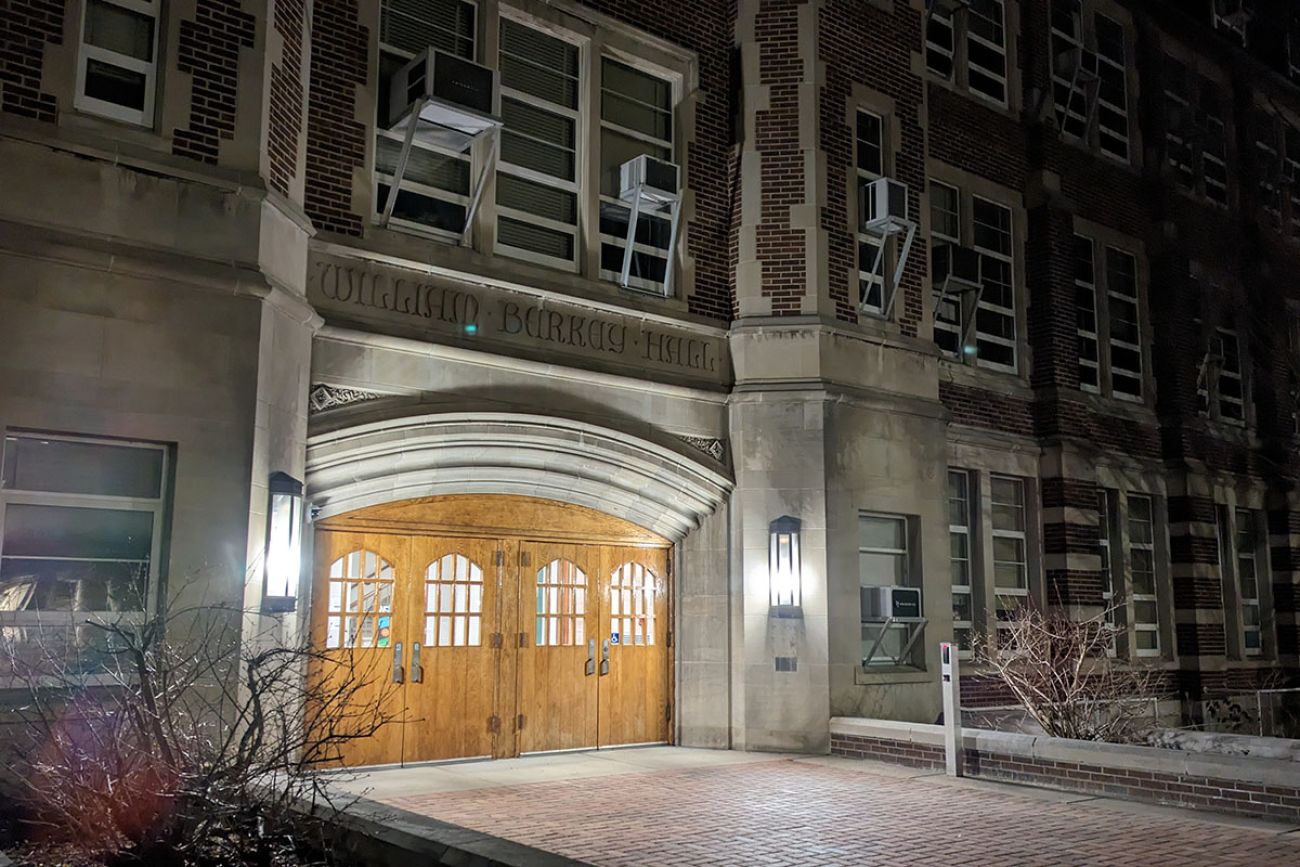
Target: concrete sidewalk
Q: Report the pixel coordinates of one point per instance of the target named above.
(675, 806)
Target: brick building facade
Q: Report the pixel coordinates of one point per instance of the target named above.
(202, 257)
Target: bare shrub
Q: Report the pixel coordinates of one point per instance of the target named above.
(1060, 672)
(183, 745)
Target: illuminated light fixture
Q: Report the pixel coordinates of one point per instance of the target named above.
(783, 562)
(282, 565)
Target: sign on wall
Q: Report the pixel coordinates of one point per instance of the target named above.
(411, 304)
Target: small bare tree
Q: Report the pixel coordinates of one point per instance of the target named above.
(1062, 673)
(182, 744)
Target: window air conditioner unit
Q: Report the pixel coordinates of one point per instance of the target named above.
(883, 206)
(657, 182)
(957, 264)
(450, 99)
(899, 604)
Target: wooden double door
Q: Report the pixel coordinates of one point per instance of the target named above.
(482, 647)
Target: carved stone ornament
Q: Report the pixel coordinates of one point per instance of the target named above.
(325, 397)
(711, 446)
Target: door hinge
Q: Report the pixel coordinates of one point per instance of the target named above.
(501, 557)
(523, 639)
(668, 712)
(519, 723)
(496, 640)
(494, 724)
(525, 558)
(668, 638)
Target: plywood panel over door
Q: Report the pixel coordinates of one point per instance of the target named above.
(359, 622)
(451, 694)
(634, 693)
(557, 640)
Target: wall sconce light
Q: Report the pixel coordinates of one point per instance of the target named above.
(783, 563)
(282, 564)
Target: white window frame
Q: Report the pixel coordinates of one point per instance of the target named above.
(1291, 162)
(936, 237)
(380, 177)
(964, 531)
(1135, 598)
(1244, 554)
(1208, 158)
(1236, 32)
(1105, 529)
(149, 69)
(652, 287)
(1225, 374)
(875, 242)
(986, 304)
(949, 51)
(574, 187)
(910, 579)
(1122, 66)
(159, 506)
(1268, 158)
(1004, 76)
(1093, 336)
(1175, 143)
(1113, 296)
(1021, 535)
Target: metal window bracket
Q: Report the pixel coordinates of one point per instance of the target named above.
(890, 291)
(917, 630)
(476, 192)
(970, 302)
(674, 211)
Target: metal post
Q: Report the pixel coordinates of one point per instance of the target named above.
(399, 170)
(952, 744)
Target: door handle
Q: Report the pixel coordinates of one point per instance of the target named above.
(604, 657)
(591, 657)
(397, 662)
(417, 673)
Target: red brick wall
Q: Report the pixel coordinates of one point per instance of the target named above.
(209, 51)
(336, 142)
(284, 128)
(25, 28)
(1179, 790)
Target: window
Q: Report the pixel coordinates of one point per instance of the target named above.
(989, 231)
(1085, 305)
(561, 605)
(884, 560)
(1181, 127)
(980, 31)
(537, 172)
(636, 117)
(554, 91)
(1291, 174)
(453, 602)
(1085, 89)
(434, 194)
(117, 67)
(1010, 556)
(959, 540)
(995, 317)
(1221, 385)
(1214, 149)
(945, 228)
(1231, 18)
(632, 604)
(1268, 164)
(359, 603)
(1142, 575)
(1248, 596)
(83, 523)
(1105, 527)
(1118, 370)
(1125, 329)
(870, 147)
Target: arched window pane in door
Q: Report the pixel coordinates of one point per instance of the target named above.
(453, 602)
(632, 604)
(561, 604)
(360, 600)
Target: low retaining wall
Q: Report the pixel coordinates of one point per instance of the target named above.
(1261, 788)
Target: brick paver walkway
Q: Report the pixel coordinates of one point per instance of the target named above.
(788, 812)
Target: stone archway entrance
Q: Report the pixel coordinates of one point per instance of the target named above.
(496, 625)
